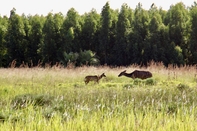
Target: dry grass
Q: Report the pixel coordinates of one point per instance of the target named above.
(185, 73)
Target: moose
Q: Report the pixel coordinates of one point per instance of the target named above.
(136, 74)
(94, 78)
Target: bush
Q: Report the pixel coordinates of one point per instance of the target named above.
(150, 81)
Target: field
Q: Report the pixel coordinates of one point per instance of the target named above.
(57, 99)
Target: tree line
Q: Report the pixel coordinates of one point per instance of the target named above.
(113, 37)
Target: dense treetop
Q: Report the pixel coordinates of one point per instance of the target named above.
(113, 37)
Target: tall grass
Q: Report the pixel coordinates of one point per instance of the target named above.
(57, 99)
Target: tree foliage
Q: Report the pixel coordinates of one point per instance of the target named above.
(123, 29)
(113, 37)
(15, 38)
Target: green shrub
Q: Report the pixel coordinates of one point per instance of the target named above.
(150, 81)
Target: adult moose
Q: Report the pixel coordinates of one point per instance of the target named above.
(93, 78)
(136, 74)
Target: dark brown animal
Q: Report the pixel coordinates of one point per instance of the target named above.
(93, 78)
(136, 74)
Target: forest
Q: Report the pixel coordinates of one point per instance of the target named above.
(113, 37)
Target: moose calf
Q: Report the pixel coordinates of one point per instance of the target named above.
(93, 78)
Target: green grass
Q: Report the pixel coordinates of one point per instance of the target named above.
(58, 100)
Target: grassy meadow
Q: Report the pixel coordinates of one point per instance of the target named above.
(57, 99)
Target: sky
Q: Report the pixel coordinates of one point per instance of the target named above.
(43, 7)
